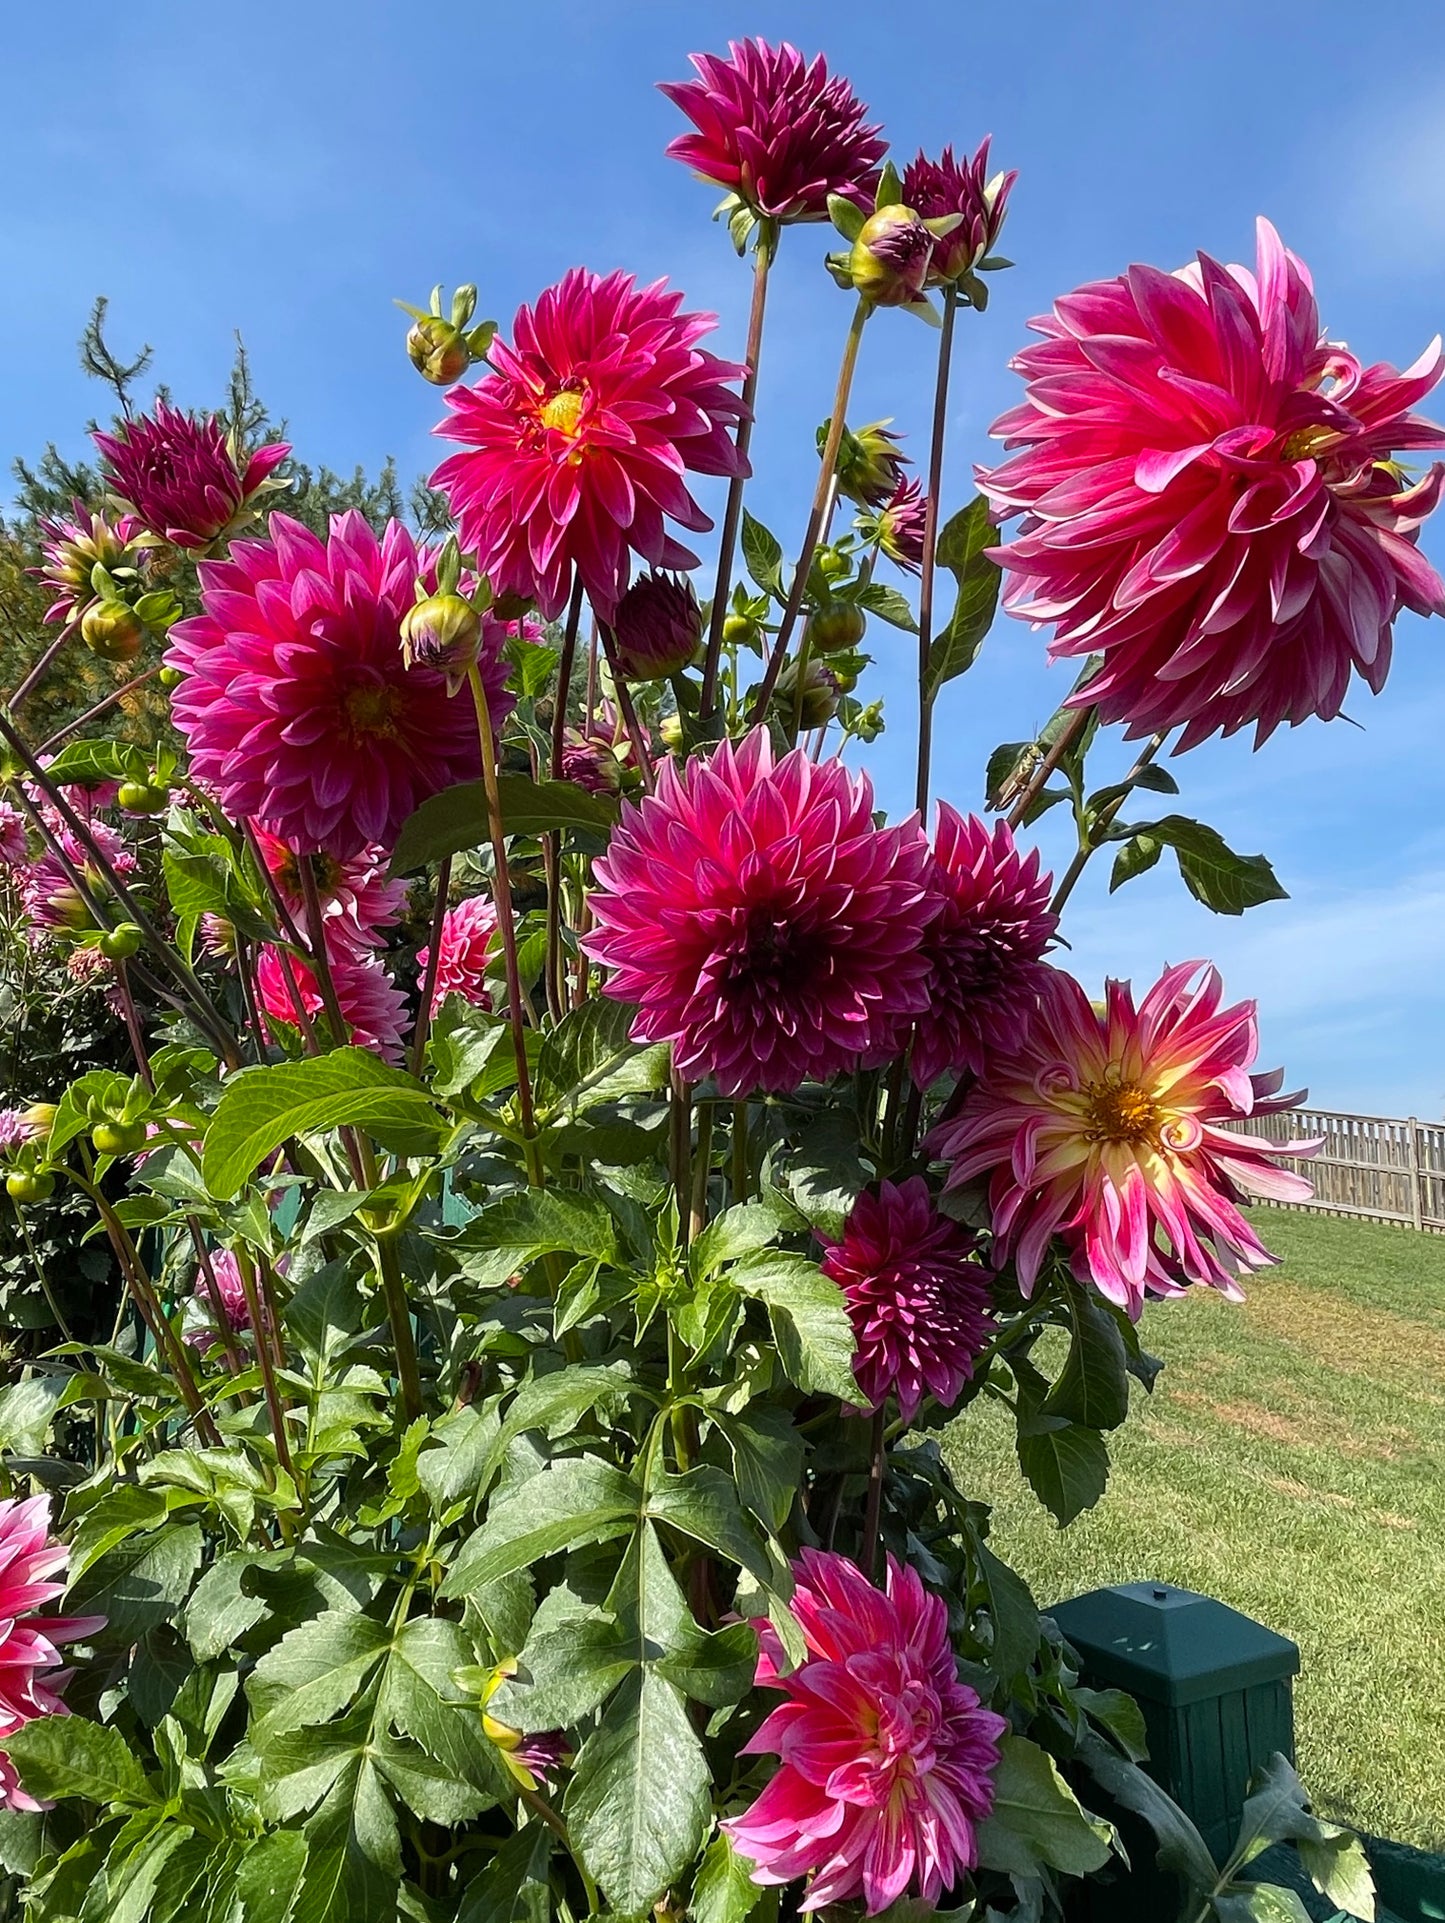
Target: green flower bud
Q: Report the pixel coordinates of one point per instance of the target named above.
(836, 627)
(121, 942)
(29, 1185)
(819, 698)
(118, 1138)
(439, 351)
(888, 263)
(441, 631)
(112, 630)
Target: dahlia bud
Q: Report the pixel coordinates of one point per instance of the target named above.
(442, 347)
(40, 1118)
(671, 732)
(818, 702)
(657, 627)
(441, 631)
(836, 627)
(888, 262)
(591, 763)
(870, 465)
(75, 548)
(112, 630)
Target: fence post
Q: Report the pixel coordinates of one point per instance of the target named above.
(1415, 1212)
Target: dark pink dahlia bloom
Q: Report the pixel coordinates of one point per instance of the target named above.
(918, 1302)
(1210, 500)
(937, 188)
(359, 899)
(72, 550)
(297, 706)
(888, 1760)
(187, 479)
(1104, 1128)
(984, 947)
(228, 1304)
(372, 1006)
(776, 130)
(31, 1672)
(900, 526)
(761, 922)
(575, 448)
(466, 938)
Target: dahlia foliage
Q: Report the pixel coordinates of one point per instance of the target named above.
(550, 1164)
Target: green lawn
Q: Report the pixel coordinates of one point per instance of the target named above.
(1292, 1462)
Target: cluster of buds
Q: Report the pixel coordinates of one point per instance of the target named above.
(889, 258)
(443, 627)
(441, 348)
(657, 628)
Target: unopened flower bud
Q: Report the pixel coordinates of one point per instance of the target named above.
(656, 628)
(112, 630)
(888, 263)
(819, 700)
(670, 729)
(870, 465)
(836, 627)
(439, 352)
(441, 631)
(741, 631)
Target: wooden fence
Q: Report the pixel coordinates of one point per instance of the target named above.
(1370, 1165)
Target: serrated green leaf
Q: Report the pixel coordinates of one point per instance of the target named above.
(1093, 1386)
(268, 1877)
(767, 1454)
(68, 1756)
(1120, 1715)
(570, 1503)
(763, 556)
(703, 1504)
(1066, 1466)
(141, 1582)
(1137, 856)
(738, 1231)
(809, 1317)
(1181, 1848)
(723, 1890)
(456, 819)
(513, 1888)
(1037, 1819)
(590, 1057)
(1213, 873)
(507, 1235)
(887, 603)
(1339, 1869)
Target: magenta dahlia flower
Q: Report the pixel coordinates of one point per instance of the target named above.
(777, 131)
(228, 1302)
(900, 527)
(657, 627)
(888, 1760)
(935, 189)
(984, 946)
(14, 843)
(466, 936)
(51, 899)
(576, 446)
(1104, 1128)
(31, 1675)
(373, 1007)
(73, 549)
(918, 1301)
(297, 706)
(762, 923)
(359, 900)
(189, 481)
(1210, 498)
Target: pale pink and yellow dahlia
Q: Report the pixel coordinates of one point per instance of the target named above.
(762, 923)
(778, 131)
(575, 448)
(31, 1673)
(372, 1006)
(52, 900)
(1103, 1128)
(74, 548)
(900, 526)
(1210, 498)
(887, 1760)
(917, 1298)
(296, 704)
(466, 936)
(359, 899)
(188, 480)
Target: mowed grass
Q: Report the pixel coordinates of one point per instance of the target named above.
(1291, 1461)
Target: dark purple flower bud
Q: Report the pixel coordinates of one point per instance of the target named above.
(657, 627)
(938, 188)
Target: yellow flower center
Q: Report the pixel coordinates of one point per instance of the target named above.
(1310, 443)
(1121, 1112)
(372, 709)
(563, 412)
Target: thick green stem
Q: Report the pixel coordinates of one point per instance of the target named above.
(1067, 736)
(822, 497)
(765, 249)
(873, 1514)
(555, 976)
(930, 547)
(275, 1408)
(741, 1178)
(1092, 839)
(433, 963)
(398, 1311)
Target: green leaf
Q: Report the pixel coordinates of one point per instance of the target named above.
(268, 1877)
(1093, 1385)
(825, 1172)
(960, 549)
(1181, 1848)
(26, 1408)
(809, 1317)
(353, 1860)
(1224, 881)
(723, 1890)
(574, 1501)
(1012, 1611)
(887, 603)
(767, 1454)
(263, 1107)
(555, 1404)
(703, 1504)
(564, 1672)
(590, 1057)
(738, 1231)
(140, 1583)
(1006, 766)
(1259, 1903)
(419, 1699)
(714, 1667)
(1037, 1819)
(1066, 1466)
(507, 1235)
(847, 217)
(313, 1673)
(1118, 1712)
(763, 556)
(1138, 855)
(513, 1888)
(456, 819)
(639, 1804)
(1158, 780)
(68, 1756)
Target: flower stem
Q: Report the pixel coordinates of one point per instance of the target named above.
(398, 1311)
(42, 667)
(930, 546)
(433, 963)
(822, 498)
(555, 973)
(740, 1152)
(628, 711)
(1067, 736)
(1092, 838)
(274, 1406)
(873, 1514)
(113, 699)
(321, 961)
(763, 255)
(213, 1294)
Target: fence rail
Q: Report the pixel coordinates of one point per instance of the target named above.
(1377, 1166)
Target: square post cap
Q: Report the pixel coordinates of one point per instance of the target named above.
(1170, 1645)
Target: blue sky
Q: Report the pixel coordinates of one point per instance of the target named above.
(286, 169)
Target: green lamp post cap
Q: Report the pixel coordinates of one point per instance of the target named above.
(1170, 1645)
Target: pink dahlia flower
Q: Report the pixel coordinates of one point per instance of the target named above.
(984, 946)
(900, 526)
(373, 1006)
(14, 846)
(31, 1676)
(576, 446)
(231, 1291)
(888, 1760)
(936, 188)
(776, 130)
(297, 706)
(188, 480)
(72, 550)
(466, 935)
(359, 900)
(918, 1302)
(51, 899)
(1210, 498)
(762, 923)
(1104, 1128)
(17, 1127)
